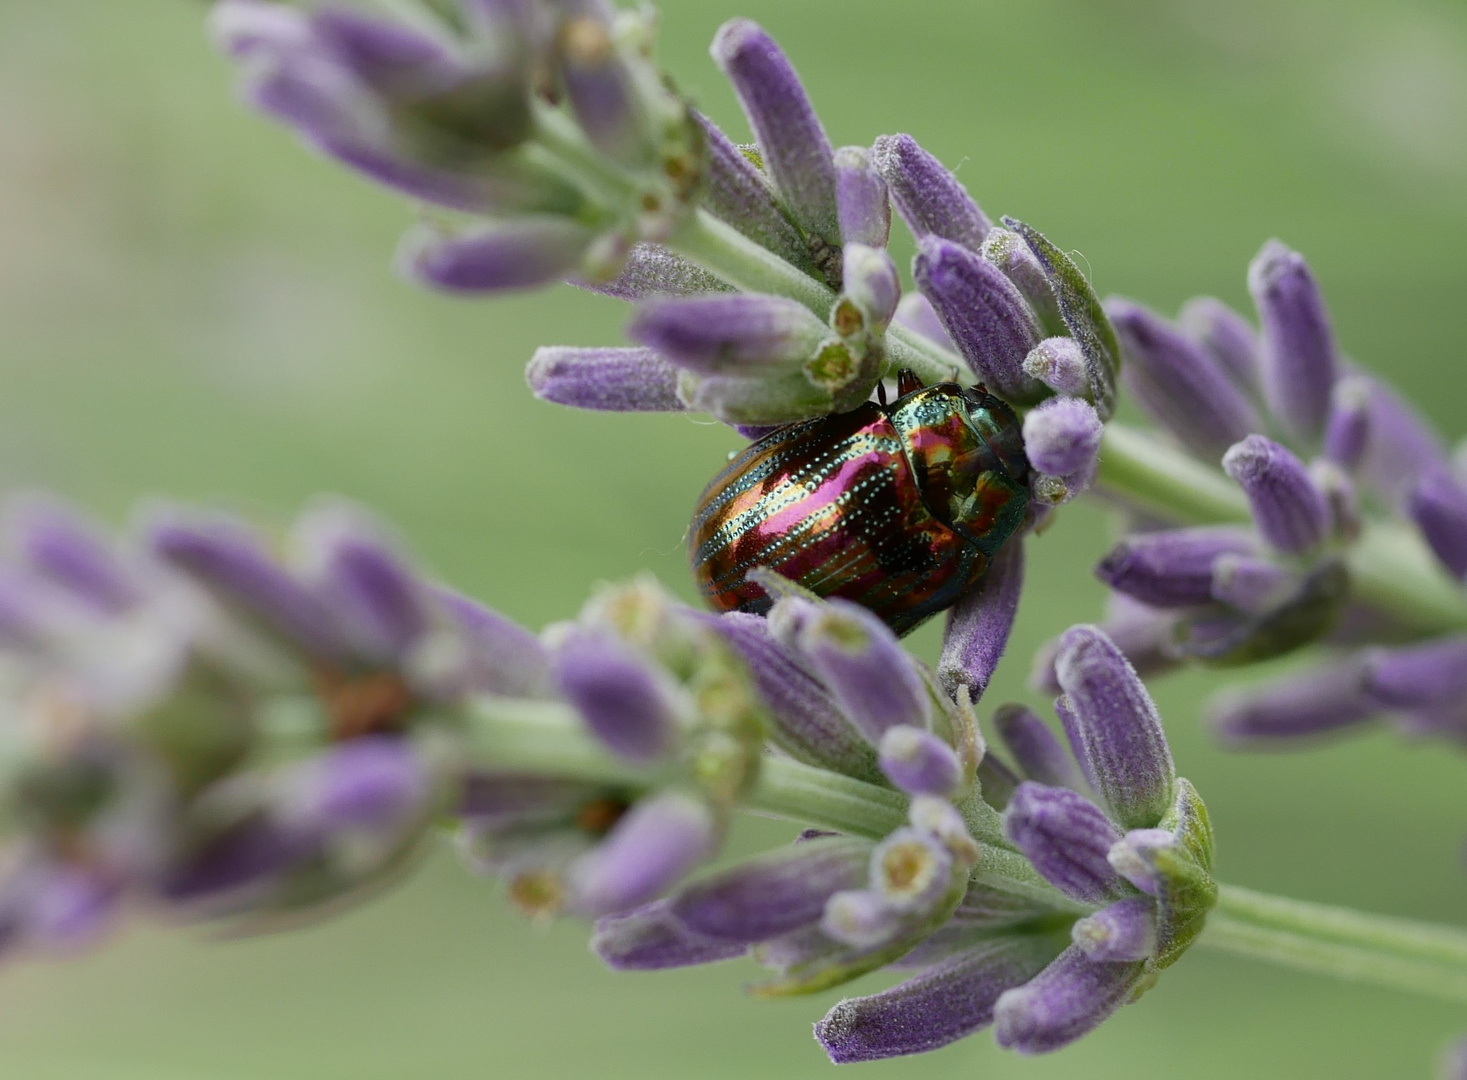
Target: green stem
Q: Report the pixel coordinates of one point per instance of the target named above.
(721, 249)
(1400, 954)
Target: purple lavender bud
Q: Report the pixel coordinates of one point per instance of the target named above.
(860, 919)
(72, 553)
(1178, 384)
(373, 783)
(1068, 999)
(982, 311)
(1254, 586)
(1300, 360)
(652, 270)
(911, 871)
(1227, 337)
(1347, 431)
(1289, 511)
(807, 723)
(1012, 254)
(1135, 857)
(796, 152)
(745, 334)
(1439, 508)
(928, 197)
(1062, 437)
(941, 1005)
(1124, 931)
(859, 659)
(66, 908)
(600, 90)
(1113, 727)
(1173, 567)
(871, 282)
(1403, 445)
(1326, 698)
(520, 253)
(1059, 363)
(774, 894)
(652, 938)
(499, 656)
(1035, 748)
(655, 844)
(1434, 673)
(919, 762)
(916, 313)
(619, 696)
(606, 379)
(232, 563)
(979, 623)
(865, 212)
(1067, 838)
(248, 856)
(738, 193)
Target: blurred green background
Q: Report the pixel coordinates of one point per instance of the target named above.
(191, 305)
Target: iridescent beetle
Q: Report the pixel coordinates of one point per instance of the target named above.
(898, 507)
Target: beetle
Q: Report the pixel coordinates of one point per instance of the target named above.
(897, 507)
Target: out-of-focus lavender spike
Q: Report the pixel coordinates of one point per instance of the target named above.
(1178, 384)
(740, 334)
(1062, 440)
(1124, 931)
(1228, 338)
(1438, 505)
(652, 938)
(1067, 838)
(655, 844)
(619, 696)
(865, 211)
(807, 723)
(929, 198)
(1059, 363)
(983, 313)
(775, 893)
(599, 89)
(500, 656)
(859, 659)
(1035, 748)
(1289, 511)
(605, 379)
(1299, 357)
(1173, 567)
(919, 762)
(796, 152)
(979, 623)
(1068, 999)
(738, 193)
(519, 253)
(1323, 699)
(70, 552)
(1347, 431)
(1114, 728)
(1413, 676)
(652, 270)
(232, 563)
(1251, 585)
(943, 1004)
(374, 784)
(915, 312)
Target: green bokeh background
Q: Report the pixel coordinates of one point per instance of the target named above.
(191, 305)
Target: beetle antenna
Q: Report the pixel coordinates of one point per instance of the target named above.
(881, 392)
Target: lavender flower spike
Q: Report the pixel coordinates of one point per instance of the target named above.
(1068, 999)
(1067, 838)
(518, 254)
(606, 379)
(618, 695)
(983, 312)
(744, 334)
(1300, 359)
(919, 762)
(660, 840)
(929, 198)
(1178, 384)
(796, 151)
(1290, 511)
(1114, 728)
(1439, 507)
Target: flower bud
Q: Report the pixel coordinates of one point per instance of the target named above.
(929, 198)
(1300, 359)
(1290, 512)
(745, 334)
(1059, 363)
(606, 379)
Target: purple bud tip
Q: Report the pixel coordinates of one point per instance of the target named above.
(1059, 363)
(518, 254)
(919, 762)
(1066, 1000)
(1062, 437)
(1347, 434)
(1125, 931)
(1439, 507)
(746, 334)
(1066, 837)
(371, 783)
(609, 380)
(654, 845)
(1299, 355)
(1172, 568)
(619, 696)
(929, 198)
(1290, 511)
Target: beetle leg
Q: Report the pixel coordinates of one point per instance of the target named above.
(881, 393)
(907, 382)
